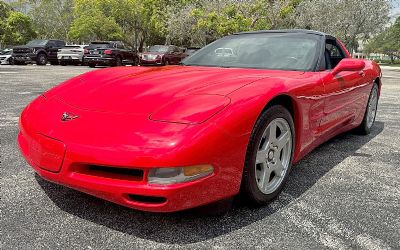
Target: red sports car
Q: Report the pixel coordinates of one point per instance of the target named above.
(233, 118)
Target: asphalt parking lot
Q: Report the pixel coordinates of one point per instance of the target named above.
(345, 194)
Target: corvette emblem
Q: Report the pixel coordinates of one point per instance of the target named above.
(68, 117)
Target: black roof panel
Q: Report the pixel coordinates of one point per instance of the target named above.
(285, 31)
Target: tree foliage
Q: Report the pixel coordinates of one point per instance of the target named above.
(198, 22)
(15, 27)
(387, 42)
(350, 20)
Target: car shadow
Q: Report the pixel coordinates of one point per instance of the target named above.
(189, 226)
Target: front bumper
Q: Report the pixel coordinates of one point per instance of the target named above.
(151, 62)
(26, 58)
(4, 60)
(67, 158)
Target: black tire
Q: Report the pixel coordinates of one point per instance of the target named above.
(91, 65)
(11, 61)
(249, 187)
(364, 127)
(41, 59)
(63, 63)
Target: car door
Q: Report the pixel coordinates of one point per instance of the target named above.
(341, 93)
(52, 50)
(169, 55)
(124, 52)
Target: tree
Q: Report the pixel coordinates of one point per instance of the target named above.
(15, 27)
(350, 20)
(94, 27)
(52, 18)
(387, 42)
(204, 21)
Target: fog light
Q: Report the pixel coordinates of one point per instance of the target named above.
(165, 176)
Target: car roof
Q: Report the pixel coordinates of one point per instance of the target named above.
(301, 31)
(103, 42)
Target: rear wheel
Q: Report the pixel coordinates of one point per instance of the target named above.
(269, 155)
(91, 65)
(370, 112)
(41, 59)
(63, 63)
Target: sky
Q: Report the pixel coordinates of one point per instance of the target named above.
(395, 12)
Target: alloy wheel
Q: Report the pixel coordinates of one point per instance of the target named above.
(372, 107)
(273, 155)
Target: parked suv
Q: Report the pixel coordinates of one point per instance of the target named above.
(71, 54)
(109, 53)
(162, 55)
(38, 51)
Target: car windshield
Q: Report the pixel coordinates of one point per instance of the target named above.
(37, 43)
(280, 51)
(6, 52)
(99, 45)
(158, 48)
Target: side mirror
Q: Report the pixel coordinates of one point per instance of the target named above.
(348, 64)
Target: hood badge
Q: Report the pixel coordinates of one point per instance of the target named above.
(68, 117)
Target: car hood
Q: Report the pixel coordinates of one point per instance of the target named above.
(141, 90)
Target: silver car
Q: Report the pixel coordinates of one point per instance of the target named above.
(71, 54)
(6, 56)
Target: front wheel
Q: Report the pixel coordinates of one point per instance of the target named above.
(269, 155)
(370, 112)
(41, 59)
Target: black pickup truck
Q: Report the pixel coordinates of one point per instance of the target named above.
(38, 51)
(109, 53)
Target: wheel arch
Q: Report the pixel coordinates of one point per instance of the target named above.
(289, 102)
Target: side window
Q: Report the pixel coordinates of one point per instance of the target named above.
(51, 44)
(60, 44)
(333, 54)
(120, 45)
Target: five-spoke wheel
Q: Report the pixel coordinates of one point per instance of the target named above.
(269, 155)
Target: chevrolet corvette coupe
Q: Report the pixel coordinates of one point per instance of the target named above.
(233, 118)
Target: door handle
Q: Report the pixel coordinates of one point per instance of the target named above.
(361, 73)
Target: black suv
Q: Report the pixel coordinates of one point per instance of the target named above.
(109, 53)
(38, 51)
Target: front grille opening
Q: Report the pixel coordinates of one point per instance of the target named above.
(147, 199)
(118, 173)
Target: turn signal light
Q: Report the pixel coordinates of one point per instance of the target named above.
(165, 176)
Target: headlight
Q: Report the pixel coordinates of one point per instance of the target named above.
(165, 176)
